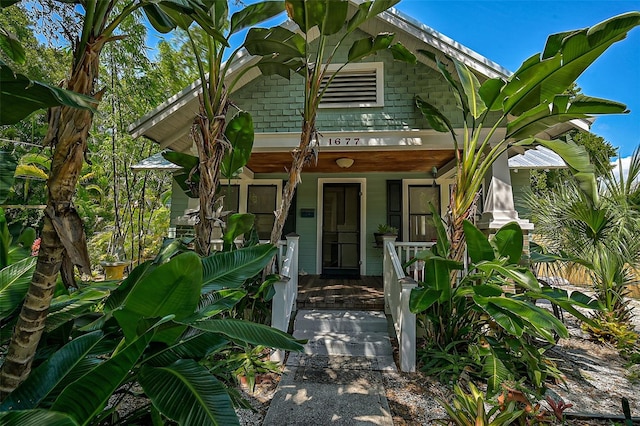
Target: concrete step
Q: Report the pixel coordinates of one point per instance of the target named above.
(341, 321)
(370, 344)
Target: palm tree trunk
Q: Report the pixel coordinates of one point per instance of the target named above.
(62, 234)
(211, 147)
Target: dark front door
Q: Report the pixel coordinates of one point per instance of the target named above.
(341, 229)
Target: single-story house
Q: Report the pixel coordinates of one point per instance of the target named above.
(379, 161)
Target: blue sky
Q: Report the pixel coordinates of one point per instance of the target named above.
(508, 32)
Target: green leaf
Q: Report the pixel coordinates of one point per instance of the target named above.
(43, 380)
(118, 296)
(368, 10)
(231, 269)
(170, 289)
(249, 332)
(158, 19)
(401, 53)
(370, 45)
(186, 161)
(422, 298)
(510, 323)
(496, 372)
(239, 133)
(490, 92)
(471, 86)
(36, 418)
(216, 302)
(68, 308)
(522, 277)
(254, 14)
(197, 346)
(11, 46)
(509, 242)
(541, 320)
(328, 15)
(14, 284)
(478, 244)
(26, 96)
(86, 397)
(437, 120)
(237, 225)
(565, 57)
(188, 394)
(277, 41)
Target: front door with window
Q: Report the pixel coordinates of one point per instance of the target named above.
(341, 229)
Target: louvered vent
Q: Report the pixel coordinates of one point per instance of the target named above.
(353, 88)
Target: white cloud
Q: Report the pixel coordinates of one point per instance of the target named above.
(624, 162)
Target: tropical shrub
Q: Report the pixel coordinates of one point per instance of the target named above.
(600, 235)
(488, 325)
(163, 328)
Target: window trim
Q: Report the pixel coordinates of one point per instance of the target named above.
(378, 67)
(406, 183)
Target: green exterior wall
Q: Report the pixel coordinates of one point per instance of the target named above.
(521, 184)
(275, 102)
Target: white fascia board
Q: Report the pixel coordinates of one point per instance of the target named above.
(362, 139)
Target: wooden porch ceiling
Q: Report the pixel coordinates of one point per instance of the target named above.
(364, 161)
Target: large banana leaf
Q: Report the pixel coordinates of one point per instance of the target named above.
(249, 332)
(231, 269)
(565, 57)
(540, 320)
(239, 133)
(14, 283)
(188, 394)
(509, 242)
(275, 41)
(86, 397)
(237, 224)
(170, 289)
(368, 10)
(477, 243)
(328, 15)
(215, 302)
(255, 13)
(25, 96)
(522, 277)
(422, 298)
(496, 372)
(66, 308)
(36, 418)
(44, 379)
(196, 346)
(471, 87)
(118, 296)
(11, 46)
(369, 45)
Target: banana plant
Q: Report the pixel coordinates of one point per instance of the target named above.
(530, 101)
(498, 325)
(222, 146)
(63, 239)
(284, 51)
(161, 328)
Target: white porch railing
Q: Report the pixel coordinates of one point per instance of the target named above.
(406, 251)
(284, 301)
(397, 289)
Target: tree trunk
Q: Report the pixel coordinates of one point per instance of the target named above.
(62, 235)
(208, 138)
(302, 156)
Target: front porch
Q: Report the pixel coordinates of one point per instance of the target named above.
(363, 294)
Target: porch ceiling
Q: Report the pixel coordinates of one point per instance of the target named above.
(364, 161)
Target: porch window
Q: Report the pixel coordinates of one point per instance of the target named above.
(421, 226)
(261, 201)
(231, 200)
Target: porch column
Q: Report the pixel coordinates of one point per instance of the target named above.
(499, 208)
(387, 271)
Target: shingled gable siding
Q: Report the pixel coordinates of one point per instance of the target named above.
(275, 103)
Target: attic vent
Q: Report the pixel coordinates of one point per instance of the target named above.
(356, 85)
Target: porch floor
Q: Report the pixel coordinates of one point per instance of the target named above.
(364, 293)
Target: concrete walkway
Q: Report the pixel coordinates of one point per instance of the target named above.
(337, 381)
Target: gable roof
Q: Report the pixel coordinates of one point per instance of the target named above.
(169, 123)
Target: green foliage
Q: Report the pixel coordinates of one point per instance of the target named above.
(160, 328)
(599, 235)
(488, 324)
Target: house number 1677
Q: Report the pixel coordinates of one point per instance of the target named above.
(343, 141)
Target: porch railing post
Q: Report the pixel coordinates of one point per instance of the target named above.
(407, 338)
(293, 240)
(279, 318)
(387, 271)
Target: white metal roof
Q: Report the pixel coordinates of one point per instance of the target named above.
(538, 158)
